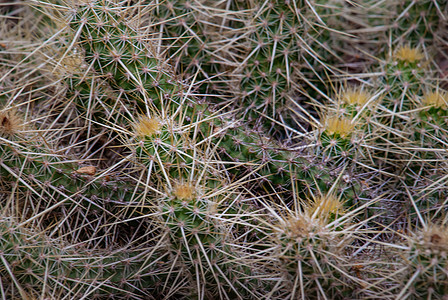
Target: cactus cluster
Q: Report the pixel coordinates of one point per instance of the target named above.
(424, 259)
(223, 150)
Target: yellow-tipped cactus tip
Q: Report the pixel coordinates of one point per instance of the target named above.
(408, 54)
(339, 125)
(184, 191)
(10, 123)
(147, 126)
(438, 99)
(355, 97)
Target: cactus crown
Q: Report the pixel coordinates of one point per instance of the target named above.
(438, 99)
(10, 122)
(435, 238)
(146, 126)
(408, 54)
(355, 96)
(324, 206)
(184, 191)
(341, 126)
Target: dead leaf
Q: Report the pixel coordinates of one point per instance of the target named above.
(89, 170)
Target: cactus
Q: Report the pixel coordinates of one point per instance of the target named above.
(429, 140)
(425, 259)
(52, 188)
(418, 21)
(193, 32)
(402, 76)
(34, 265)
(407, 77)
(430, 130)
(309, 249)
(129, 57)
(199, 226)
(264, 68)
